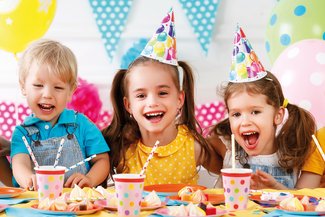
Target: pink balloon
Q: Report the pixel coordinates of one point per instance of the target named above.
(301, 71)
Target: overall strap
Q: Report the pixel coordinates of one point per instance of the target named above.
(33, 134)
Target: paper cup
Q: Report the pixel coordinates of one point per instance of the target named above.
(128, 189)
(49, 181)
(236, 183)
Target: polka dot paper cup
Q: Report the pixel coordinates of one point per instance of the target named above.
(49, 181)
(129, 188)
(236, 184)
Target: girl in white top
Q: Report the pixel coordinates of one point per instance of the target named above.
(257, 110)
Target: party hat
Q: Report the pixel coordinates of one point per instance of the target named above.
(245, 65)
(162, 45)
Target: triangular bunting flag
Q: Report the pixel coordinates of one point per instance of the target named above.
(111, 16)
(202, 17)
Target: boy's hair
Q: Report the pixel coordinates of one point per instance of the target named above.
(293, 141)
(59, 59)
(124, 130)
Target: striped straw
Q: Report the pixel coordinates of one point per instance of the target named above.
(80, 163)
(233, 151)
(149, 158)
(30, 151)
(58, 155)
(319, 147)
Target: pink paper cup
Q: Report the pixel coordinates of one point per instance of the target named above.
(236, 183)
(49, 181)
(129, 188)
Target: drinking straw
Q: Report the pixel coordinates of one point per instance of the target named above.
(318, 147)
(30, 151)
(149, 158)
(233, 151)
(80, 163)
(58, 155)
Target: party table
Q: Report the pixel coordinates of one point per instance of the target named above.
(253, 209)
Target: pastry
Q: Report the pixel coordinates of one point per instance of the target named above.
(152, 199)
(77, 194)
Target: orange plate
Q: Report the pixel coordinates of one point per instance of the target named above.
(214, 199)
(170, 189)
(6, 192)
(269, 203)
(103, 203)
(82, 212)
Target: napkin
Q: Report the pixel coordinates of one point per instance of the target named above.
(12, 201)
(23, 212)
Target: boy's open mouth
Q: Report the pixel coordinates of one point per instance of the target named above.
(46, 107)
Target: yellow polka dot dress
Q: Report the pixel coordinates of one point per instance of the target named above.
(171, 164)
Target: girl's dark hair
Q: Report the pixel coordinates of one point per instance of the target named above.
(294, 139)
(124, 131)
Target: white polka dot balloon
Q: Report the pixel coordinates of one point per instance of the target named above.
(301, 71)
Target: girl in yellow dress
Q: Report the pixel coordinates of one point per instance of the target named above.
(153, 101)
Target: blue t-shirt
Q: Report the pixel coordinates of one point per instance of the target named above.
(89, 137)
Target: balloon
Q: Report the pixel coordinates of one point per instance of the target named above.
(22, 21)
(301, 71)
(293, 21)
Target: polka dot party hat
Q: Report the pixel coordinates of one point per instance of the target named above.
(245, 65)
(162, 45)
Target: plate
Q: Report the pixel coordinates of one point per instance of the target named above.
(82, 212)
(3, 207)
(6, 192)
(103, 203)
(302, 213)
(164, 211)
(214, 199)
(170, 189)
(269, 203)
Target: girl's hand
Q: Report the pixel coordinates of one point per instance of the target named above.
(79, 179)
(261, 180)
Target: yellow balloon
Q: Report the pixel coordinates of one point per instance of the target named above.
(23, 21)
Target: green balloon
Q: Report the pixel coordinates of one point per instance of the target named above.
(292, 21)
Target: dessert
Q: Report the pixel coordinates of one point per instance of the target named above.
(185, 191)
(53, 205)
(189, 194)
(195, 210)
(321, 206)
(210, 210)
(275, 196)
(198, 196)
(80, 206)
(292, 204)
(93, 194)
(77, 194)
(151, 199)
(102, 191)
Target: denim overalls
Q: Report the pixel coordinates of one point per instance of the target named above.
(45, 150)
(287, 178)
